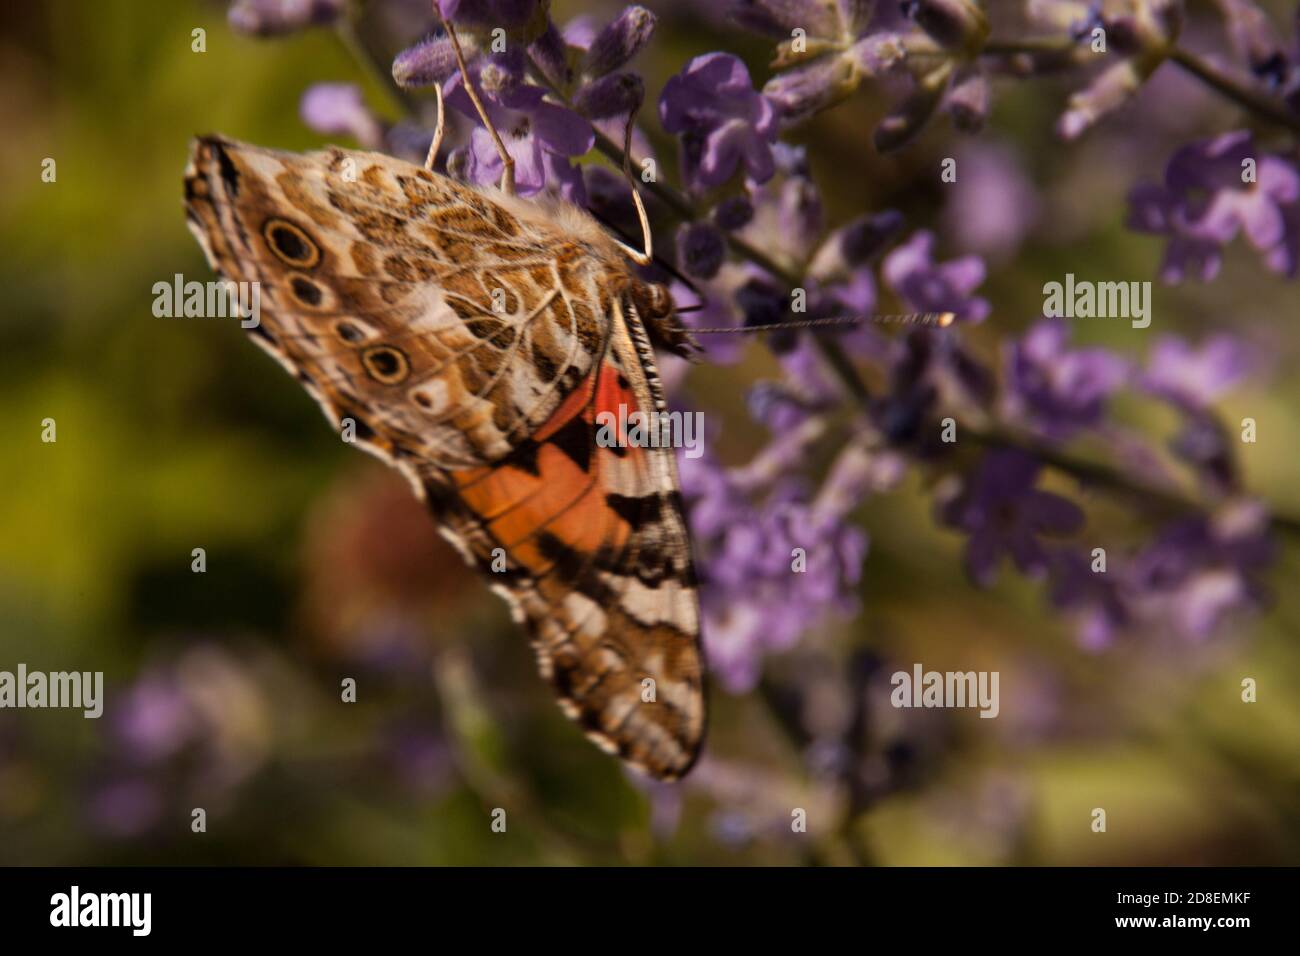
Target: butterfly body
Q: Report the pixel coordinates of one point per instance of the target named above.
(470, 339)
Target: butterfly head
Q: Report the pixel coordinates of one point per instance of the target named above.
(653, 301)
(658, 314)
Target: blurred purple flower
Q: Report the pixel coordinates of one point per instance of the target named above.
(787, 219)
(993, 204)
(1204, 202)
(124, 808)
(968, 101)
(1058, 390)
(925, 366)
(700, 249)
(1194, 378)
(853, 245)
(420, 757)
(1202, 568)
(155, 718)
(1092, 598)
(930, 287)
(279, 17)
(337, 109)
(733, 213)
(722, 121)
(1004, 514)
(777, 18)
(771, 570)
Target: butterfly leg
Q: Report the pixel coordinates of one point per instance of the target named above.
(437, 130)
(637, 256)
(507, 161)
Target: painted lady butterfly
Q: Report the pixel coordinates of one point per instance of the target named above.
(471, 338)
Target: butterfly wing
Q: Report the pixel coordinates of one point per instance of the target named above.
(441, 324)
(599, 568)
(473, 348)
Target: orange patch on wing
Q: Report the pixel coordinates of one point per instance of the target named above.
(560, 500)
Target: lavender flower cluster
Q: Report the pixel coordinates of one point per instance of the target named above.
(781, 552)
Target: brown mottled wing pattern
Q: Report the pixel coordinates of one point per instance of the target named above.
(471, 340)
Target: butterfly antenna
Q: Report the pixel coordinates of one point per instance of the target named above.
(437, 130)
(507, 161)
(662, 263)
(939, 319)
(647, 257)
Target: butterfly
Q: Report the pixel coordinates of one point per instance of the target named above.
(470, 338)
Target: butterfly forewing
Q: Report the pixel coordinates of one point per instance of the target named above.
(471, 340)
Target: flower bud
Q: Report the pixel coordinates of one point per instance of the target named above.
(619, 41)
(700, 249)
(429, 62)
(968, 103)
(614, 95)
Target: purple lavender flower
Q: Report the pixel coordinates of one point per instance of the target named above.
(155, 719)
(1204, 203)
(968, 101)
(700, 249)
(787, 218)
(1058, 390)
(1203, 568)
(1004, 514)
(733, 213)
(1109, 90)
(617, 94)
(777, 18)
(1203, 443)
(619, 41)
(1194, 378)
(722, 121)
(994, 204)
(432, 60)
(502, 13)
(337, 109)
(929, 287)
(756, 604)
(538, 134)
(1092, 598)
(800, 92)
(924, 365)
(279, 17)
(771, 569)
(853, 245)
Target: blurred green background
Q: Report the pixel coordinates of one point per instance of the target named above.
(175, 434)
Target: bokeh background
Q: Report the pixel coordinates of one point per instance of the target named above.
(223, 687)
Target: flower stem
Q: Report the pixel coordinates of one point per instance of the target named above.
(1240, 94)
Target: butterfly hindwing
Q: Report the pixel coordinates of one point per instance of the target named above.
(599, 568)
